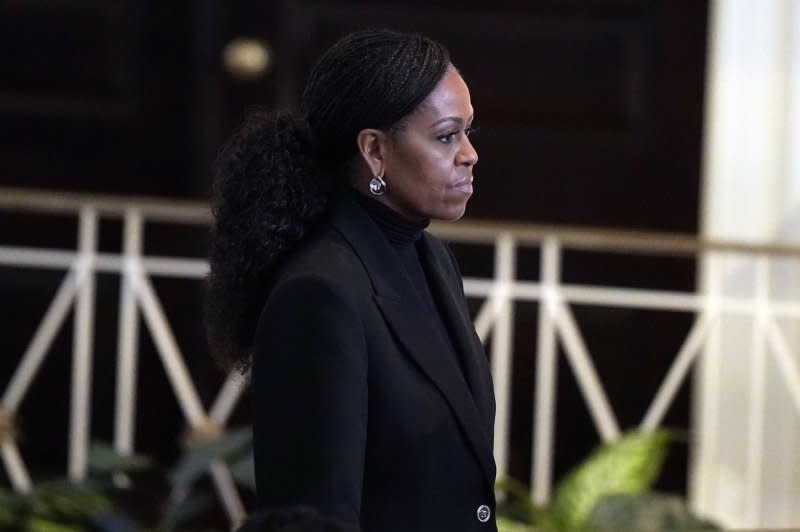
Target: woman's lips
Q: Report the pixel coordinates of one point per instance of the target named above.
(465, 185)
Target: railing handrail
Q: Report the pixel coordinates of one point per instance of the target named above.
(63, 202)
(466, 230)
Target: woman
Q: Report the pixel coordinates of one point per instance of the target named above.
(372, 395)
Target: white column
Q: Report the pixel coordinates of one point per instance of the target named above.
(746, 463)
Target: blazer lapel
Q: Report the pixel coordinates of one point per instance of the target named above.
(398, 301)
(478, 373)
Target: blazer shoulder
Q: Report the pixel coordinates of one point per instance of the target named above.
(442, 251)
(439, 246)
(326, 258)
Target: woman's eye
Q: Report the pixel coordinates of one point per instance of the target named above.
(446, 139)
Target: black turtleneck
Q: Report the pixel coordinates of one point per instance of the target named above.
(399, 230)
(404, 236)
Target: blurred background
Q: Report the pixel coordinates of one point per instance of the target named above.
(637, 173)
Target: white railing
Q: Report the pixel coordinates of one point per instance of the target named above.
(556, 323)
(77, 289)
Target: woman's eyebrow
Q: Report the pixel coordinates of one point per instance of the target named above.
(457, 119)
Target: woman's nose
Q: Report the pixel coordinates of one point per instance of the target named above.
(467, 154)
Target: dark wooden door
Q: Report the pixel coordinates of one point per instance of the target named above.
(590, 110)
(590, 114)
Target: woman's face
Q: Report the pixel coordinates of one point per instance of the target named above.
(428, 162)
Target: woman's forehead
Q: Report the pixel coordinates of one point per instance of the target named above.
(450, 98)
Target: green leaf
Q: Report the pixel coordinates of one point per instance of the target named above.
(518, 504)
(627, 466)
(38, 524)
(67, 501)
(648, 511)
(508, 525)
(12, 507)
(105, 459)
(195, 461)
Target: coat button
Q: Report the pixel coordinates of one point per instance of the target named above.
(484, 513)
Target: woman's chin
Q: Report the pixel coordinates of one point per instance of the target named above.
(452, 213)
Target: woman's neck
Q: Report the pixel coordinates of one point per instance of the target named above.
(399, 229)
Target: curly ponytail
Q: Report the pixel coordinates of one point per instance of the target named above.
(267, 195)
(276, 176)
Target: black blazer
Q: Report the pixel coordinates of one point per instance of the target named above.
(359, 409)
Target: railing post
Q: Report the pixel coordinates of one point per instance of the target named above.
(502, 343)
(124, 424)
(170, 354)
(677, 372)
(705, 411)
(17, 472)
(227, 398)
(585, 373)
(82, 345)
(546, 366)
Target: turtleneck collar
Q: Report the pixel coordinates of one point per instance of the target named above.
(399, 230)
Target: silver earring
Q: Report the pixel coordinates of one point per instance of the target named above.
(377, 186)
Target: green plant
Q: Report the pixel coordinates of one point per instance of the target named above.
(618, 473)
(62, 506)
(608, 491)
(645, 511)
(234, 448)
(98, 503)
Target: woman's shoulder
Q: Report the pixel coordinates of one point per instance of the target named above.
(441, 250)
(326, 258)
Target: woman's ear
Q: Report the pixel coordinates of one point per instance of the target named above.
(372, 148)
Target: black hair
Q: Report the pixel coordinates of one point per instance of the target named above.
(276, 176)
